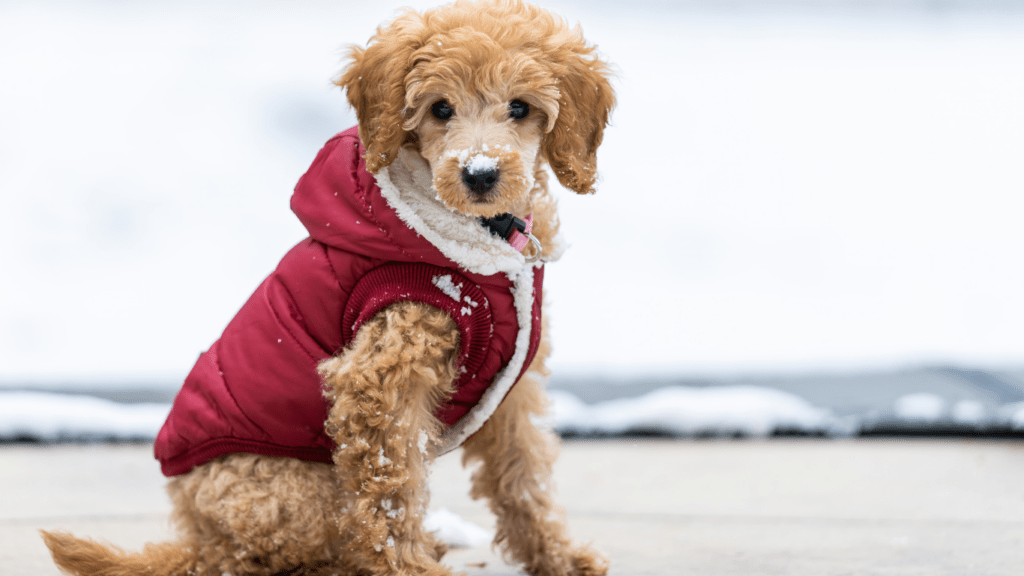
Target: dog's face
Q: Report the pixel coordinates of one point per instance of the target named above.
(486, 92)
(481, 137)
(483, 151)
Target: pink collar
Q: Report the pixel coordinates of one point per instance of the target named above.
(515, 231)
(518, 239)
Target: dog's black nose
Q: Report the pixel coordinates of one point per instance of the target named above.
(480, 181)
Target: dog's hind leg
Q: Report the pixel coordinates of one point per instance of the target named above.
(384, 390)
(515, 477)
(260, 515)
(238, 514)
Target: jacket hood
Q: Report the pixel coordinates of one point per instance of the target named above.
(394, 216)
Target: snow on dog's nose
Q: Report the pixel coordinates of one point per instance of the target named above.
(482, 181)
(480, 173)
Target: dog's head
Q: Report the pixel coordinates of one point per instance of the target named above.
(485, 92)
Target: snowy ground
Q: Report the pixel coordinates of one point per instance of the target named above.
(826, 185)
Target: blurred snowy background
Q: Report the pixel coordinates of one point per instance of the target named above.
(820, 197)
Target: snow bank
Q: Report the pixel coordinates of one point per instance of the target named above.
(49, 417)
(968, 412)
(920, 407)
(1012, 415)
(675, 410)
(747, 410)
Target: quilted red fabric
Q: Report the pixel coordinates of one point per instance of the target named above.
(256, 389)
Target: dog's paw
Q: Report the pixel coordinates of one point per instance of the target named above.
(439, 548)
(582, 561)
(588, 562)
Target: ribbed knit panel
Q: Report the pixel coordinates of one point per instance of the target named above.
(446, 290)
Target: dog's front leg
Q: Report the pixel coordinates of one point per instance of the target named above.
(384, 389)
(515, 477)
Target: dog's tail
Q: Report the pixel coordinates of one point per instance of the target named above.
(84, 557)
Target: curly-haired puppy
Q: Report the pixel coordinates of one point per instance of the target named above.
(406, 325)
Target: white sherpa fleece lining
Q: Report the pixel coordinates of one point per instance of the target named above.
(522, 296)
(406, 185)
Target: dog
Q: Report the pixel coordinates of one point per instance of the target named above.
(408, 324)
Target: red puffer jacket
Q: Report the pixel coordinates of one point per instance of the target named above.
(373, 242)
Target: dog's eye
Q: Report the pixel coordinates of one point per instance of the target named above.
(518, 109)
(442, 110)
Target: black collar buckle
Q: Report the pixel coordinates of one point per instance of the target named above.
(502, 225)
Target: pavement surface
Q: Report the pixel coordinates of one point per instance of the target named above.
(656, 507)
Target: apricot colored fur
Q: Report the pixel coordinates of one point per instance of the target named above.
(514, 475)
(244, 514)
(461, 53)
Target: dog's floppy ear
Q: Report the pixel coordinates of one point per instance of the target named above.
(374, 82)
(585, 100)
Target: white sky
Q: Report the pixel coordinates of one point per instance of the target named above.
(782, 191)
